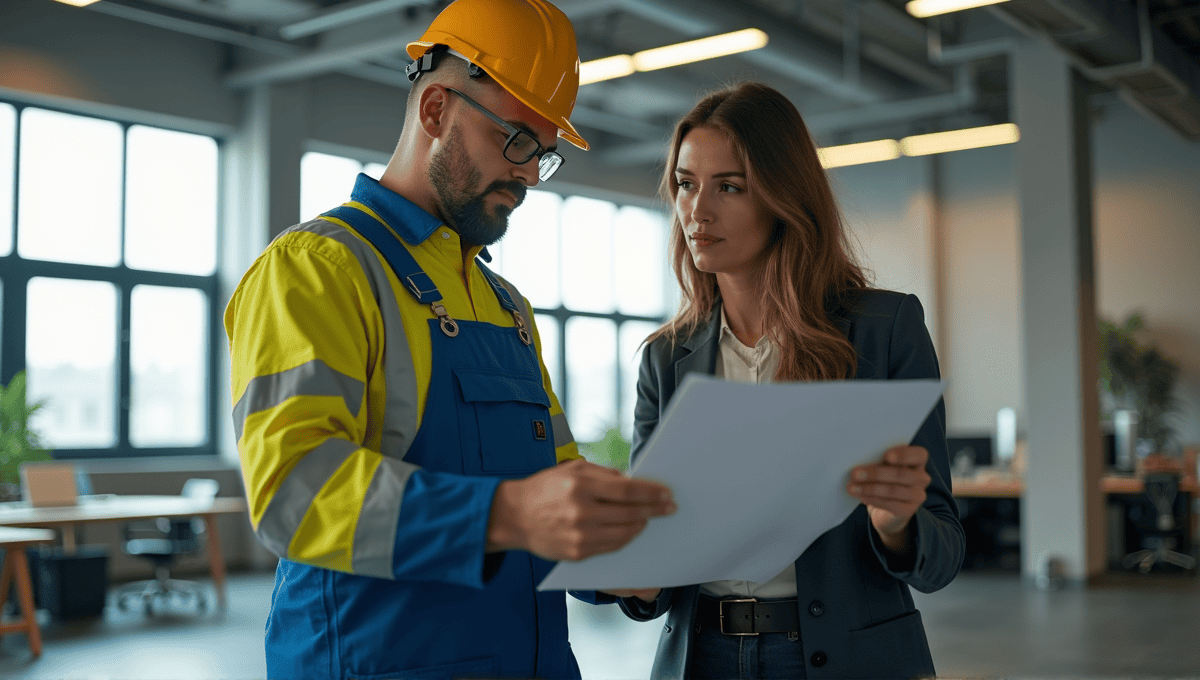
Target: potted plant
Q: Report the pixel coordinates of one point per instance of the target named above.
(611, 451)
(1138, 376)
(18, 443)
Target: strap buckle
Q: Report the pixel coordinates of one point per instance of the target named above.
(416, 280)
(726, 616)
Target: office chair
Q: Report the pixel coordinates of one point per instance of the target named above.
(1161, 490)
(162, 542)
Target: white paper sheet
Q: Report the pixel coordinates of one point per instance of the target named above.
(758, 473)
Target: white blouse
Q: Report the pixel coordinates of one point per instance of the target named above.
(757, 364)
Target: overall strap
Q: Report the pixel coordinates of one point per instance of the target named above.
(401, 261)
(506, 302)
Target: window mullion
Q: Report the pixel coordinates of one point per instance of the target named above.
(124, 311)
(12, 331)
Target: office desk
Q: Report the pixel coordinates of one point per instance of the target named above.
(1012, 487)
(128, 508)
(993, 485)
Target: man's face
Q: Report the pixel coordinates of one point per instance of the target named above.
(477, 187)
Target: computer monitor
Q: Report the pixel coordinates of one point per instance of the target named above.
(979, 445)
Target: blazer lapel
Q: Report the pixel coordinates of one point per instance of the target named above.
(702, 349)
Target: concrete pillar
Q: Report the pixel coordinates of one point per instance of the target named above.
(1062, 511)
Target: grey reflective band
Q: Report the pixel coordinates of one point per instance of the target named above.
(299, 489)
(562, 433)
(375, 534)
(312, 379)
(517, 299)
(400, 414)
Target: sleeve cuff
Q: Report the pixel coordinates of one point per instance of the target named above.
(441, 534)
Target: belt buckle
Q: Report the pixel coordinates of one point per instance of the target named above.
(721, 611)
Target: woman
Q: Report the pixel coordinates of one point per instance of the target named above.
(770, 292)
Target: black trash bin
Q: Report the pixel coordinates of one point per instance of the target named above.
(70, 586)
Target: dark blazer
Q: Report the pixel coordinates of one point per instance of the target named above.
(855, 604)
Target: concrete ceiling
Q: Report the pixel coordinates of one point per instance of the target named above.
(855, 68)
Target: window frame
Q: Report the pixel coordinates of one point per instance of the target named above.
(15, 273)
(562, 314)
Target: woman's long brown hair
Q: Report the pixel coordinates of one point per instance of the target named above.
(808, 270)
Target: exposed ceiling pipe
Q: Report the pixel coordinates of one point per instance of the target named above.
(599, 120)
(195, 28)
(230, 36)
(939, 53)
(340, 15)
(1177, 106)
(352, 12)
(878, 54)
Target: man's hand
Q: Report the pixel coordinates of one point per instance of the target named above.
(573, 510)
(645, 594)
(892, 491)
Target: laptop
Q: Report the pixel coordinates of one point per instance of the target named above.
(46, 485)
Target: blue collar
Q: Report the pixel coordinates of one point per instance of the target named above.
(409, 222)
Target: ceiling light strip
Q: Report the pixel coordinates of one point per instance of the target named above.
(929, 8)
(958, 140)
(616, 66)
(620, 65)
(918, 145)
(699, 50)
(857, 154)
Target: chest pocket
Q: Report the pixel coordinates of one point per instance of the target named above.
(504, 423)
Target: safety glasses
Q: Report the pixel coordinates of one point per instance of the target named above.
(521, 146)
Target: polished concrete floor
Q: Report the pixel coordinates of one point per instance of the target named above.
(981, 626)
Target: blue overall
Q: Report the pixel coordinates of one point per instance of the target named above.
(484, 394)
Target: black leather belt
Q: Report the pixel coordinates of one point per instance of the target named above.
(748, 616)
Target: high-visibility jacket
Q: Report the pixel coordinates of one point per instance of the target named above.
(383, 558)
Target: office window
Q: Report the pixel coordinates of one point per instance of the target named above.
(327, 180)
(594, 272)
(167, 332)
(108, 258)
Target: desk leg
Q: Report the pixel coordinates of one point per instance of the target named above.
(7, 576)
(67, 531)
(25, 595)
(216, 559)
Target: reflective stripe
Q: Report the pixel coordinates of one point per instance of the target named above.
(295, 495)
(562, 433)
(518, 300)
(374, 536)
(312, 379)
(400, 416)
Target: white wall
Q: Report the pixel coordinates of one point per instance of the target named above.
(1148, 239)
(889, 210)
(1147, 223)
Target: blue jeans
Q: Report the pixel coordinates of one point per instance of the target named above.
(768, 656)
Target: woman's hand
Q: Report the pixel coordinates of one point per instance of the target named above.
(892, 491)
(647, 594)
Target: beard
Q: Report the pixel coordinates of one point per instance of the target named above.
(454, 177)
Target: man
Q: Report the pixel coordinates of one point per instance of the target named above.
(399, 439)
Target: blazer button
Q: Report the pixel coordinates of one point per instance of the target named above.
(818, 659)
(816, 608)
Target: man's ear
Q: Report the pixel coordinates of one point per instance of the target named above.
(430, 109)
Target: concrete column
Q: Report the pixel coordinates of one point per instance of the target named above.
(1062, 511)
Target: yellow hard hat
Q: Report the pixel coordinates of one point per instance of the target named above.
(527, 46)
